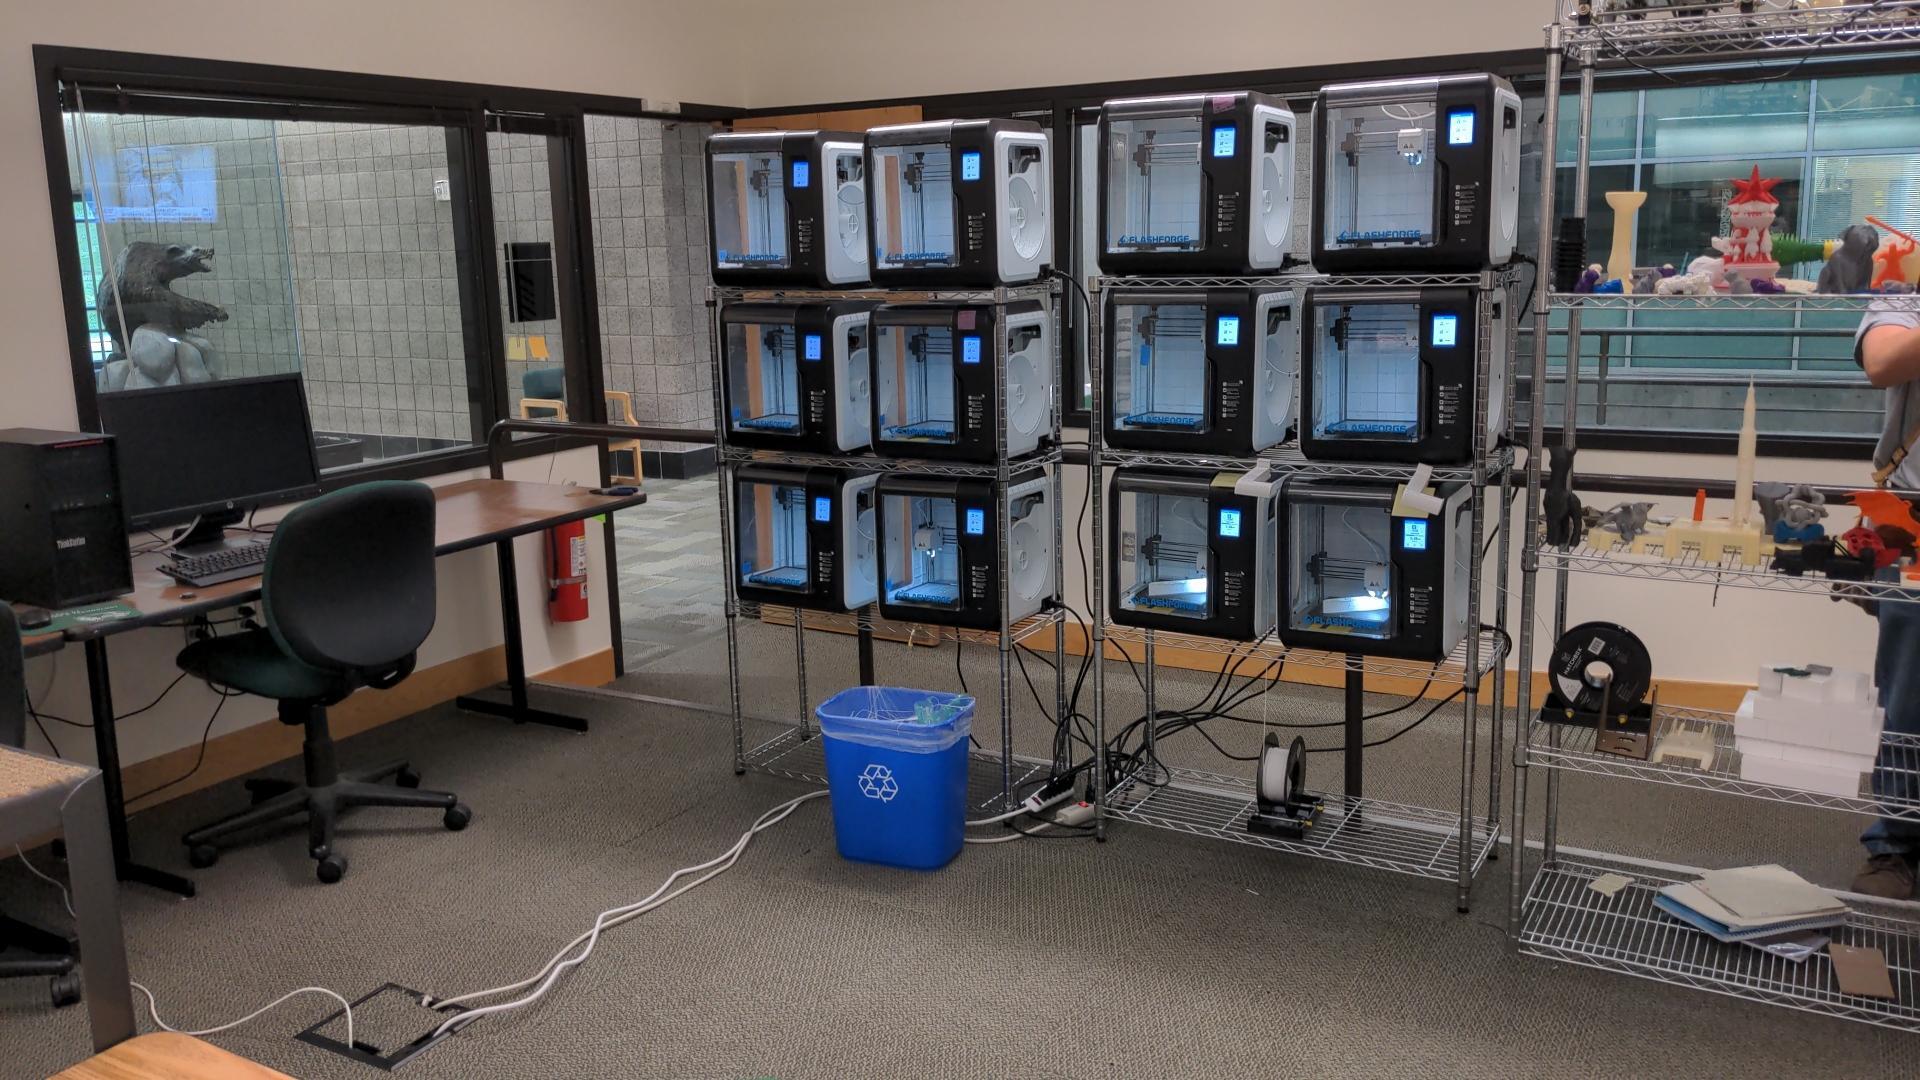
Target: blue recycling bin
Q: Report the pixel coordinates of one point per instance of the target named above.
(898, 783)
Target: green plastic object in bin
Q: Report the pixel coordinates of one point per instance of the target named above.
(897, 774)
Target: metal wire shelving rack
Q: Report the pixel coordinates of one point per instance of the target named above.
(1439, 844)
(996, 779)
(1555, 914)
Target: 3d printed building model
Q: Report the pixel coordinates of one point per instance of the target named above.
(1810, 728)
(805, 537)
(1206, 371)
(1416, 174)
(787, 208)
(940, 541)
(1197, 183)
(959, 202)
(935, 368)
(1192, 553)
(798, 376)
(1392, 375)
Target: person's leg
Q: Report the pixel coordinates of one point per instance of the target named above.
(1893, 843)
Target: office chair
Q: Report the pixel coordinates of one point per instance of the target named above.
(45, 953)
(348, 596)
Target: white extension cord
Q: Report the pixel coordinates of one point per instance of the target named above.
(153, 1009)
(550, 973)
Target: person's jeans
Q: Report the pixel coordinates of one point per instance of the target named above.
(1896, 671)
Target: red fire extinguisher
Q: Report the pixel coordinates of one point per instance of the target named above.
(567, 572)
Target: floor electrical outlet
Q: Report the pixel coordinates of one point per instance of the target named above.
(391, 1028)
(1074, 813)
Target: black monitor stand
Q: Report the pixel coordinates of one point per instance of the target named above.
(209, 533)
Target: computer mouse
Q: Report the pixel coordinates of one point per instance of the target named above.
(33, 618)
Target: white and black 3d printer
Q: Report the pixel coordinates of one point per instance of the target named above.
(787, 208)
(805, 537)
(1200, 371)
(935, 368)
(1193, 552)
(959, 203)
(940, 542)
(1195, 184)
(1393, 374)
(798, 376)
(1416, 175)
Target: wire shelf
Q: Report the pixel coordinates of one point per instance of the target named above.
(1366, 832)
(1775, 27)
(1449, 672)
(1784, 303)
(795, 754)
(1566, 920)
(1003, 294)
(1896, 770)
(911, 632)
(1306, 278)
(740, 455)
(1288, 458)
(1616, 560)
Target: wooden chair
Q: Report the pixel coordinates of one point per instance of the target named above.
(619, 411)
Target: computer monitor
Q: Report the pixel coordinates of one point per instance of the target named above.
(211, 451)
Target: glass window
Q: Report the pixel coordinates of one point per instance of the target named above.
(1847, 189)
(1616, 127)
(1732, 120)
(1871, 112)
(224, 247)
(1600, 180)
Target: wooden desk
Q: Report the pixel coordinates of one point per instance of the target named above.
(469, 514)
(39, 795)
(164, 1055)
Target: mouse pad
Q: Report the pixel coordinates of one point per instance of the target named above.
(85, 615)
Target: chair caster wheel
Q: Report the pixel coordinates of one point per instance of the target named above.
(64, 990)
(407, 778)
(457, 816)
(202, 856)
(330, 869)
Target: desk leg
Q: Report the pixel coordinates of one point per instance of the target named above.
(106, 747)
(516, 708)
(96, 912)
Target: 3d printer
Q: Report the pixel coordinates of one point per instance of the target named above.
(787, 207)
(798, 376)
(1416, 174)
(1392, 375)
(1357, 579)
(805, 537)
(1198, 183)
(934, 370)
(940, 542)
(1192, 553)
(1201, 371)
(959, 202)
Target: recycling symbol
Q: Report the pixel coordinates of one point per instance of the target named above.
(877, 782)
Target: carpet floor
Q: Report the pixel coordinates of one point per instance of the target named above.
(1152, 955)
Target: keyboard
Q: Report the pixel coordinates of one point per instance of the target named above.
(227, 564)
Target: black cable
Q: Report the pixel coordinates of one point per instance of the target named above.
(39, 715)
(1382, 742)
(971, 737)
(199, 757)
(51, 745)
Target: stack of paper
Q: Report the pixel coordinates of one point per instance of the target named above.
(1751, 904)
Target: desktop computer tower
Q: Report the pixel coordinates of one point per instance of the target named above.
(63, 530)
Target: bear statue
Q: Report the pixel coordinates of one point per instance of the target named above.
(137, 301)
(1850, 270)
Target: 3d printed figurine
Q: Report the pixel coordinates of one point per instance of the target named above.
(1647, 279)
(137, 299)
(1736, 538)
(1563, 516)
(1589, 279)
(1850, 269)
(1626, 206)
(1703, 276)
(1748, 247)
(1894, 263)
(1629, 520)
(1791, 513)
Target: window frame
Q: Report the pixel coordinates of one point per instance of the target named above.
(180, 86)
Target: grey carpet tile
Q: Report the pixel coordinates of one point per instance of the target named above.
(1152, 955)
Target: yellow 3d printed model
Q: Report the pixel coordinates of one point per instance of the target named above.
(1626, 206)
(1736, 538)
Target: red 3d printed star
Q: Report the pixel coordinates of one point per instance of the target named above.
(1754, 189)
